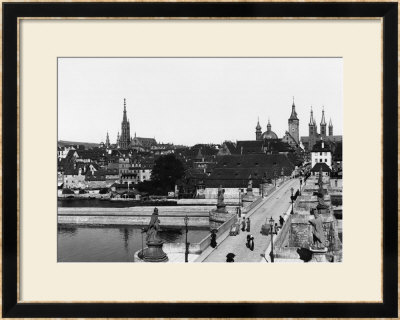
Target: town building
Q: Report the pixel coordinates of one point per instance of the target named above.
(321, 167)
(321, 153)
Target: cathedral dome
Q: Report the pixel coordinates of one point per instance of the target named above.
(269, 135)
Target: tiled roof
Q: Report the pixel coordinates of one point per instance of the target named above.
(258, 146)
(145, 142)
(231, 147)
(318, 146)
(234, 171)
(249, 146)
(319, 165)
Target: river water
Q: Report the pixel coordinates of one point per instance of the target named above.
(111, 244)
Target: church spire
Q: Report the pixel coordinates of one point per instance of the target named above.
(124, 119)
(107, 140)
(323, 124)
(258, 127)
(311, 118)
(293, 115)
(268, 125)
(330, 127)
(258, 130)
(323, 117)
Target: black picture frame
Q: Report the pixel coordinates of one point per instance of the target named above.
(388, 11)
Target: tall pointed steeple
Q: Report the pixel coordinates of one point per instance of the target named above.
(125, 139)
(311, 118)
(330, 128)
(323, 124)
(124, 117)
(268, 126)
(323, 116)
(258, 127)
(107, 141)
(312, 131)
(293, 115)
(294, 124)
(258, 130)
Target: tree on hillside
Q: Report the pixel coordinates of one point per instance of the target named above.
(166, 171)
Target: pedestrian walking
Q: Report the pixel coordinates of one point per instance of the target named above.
(229, 257)
(276, 228)
(247, 225)
(243, 224)
(213, 240)
(281, 221)
(248, 241)
(251, 244)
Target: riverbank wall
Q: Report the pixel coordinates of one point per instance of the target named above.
(136, 216)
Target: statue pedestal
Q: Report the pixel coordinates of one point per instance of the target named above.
(153, 252)
(318, 255)
(217, 217)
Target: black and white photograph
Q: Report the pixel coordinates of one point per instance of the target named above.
(191, 160)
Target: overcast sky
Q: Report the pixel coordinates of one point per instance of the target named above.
(195, 100)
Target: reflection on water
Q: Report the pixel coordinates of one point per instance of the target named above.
(111, 244)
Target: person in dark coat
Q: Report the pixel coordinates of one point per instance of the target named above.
(229, 257)
(243, 224)
(213, 240)
(276, 228)
(251, 243)
(248, 241)
(281, 220)
(247, 225)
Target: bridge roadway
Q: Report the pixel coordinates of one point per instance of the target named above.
(274, 205)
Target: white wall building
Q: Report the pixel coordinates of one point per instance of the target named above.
(321, 152)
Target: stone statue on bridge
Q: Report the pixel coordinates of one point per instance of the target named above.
(318, 233)
(154, 251)
(320, 198)
(221, 193)
(153, 228)
(250, 184)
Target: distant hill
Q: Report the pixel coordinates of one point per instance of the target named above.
(87, 145)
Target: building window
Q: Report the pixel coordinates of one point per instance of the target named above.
(320, 160)
(320, 153)
(326, 160)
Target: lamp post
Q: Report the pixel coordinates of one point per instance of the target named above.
(271, 224)
(262, 189)
(291, 189)
(141, 253)
(186, 219)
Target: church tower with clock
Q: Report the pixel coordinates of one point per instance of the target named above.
(293, 122)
